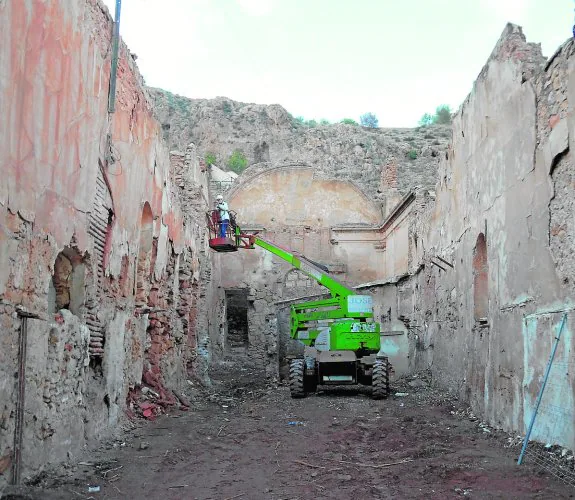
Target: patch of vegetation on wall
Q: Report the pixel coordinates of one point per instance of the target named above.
(237, 162)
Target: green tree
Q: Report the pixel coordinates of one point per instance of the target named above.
(300, 119)
(323, 121)
(368, 120)
(237, 162)
(348, 121)
(311, 123)
(426, 120)
(210, 159)
(412, 154)
(442, 115)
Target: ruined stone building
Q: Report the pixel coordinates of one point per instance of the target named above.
(290, 207)
(107, 279)
(471, 279)
(504, 220)
(493, 279)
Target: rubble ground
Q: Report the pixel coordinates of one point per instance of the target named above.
(258, 443)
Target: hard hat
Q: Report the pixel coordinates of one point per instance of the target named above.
(219, 197)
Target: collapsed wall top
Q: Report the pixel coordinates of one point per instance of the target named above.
(512, 44)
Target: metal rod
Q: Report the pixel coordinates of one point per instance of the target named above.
(114, 67)
(20, 401)
(436, 264)
(540, 396)
(19, 425)
(445, 262)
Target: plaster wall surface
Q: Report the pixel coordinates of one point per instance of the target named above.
(397, 246)
(98, 189)
(396, 342)
(506, 181)
(295, 197)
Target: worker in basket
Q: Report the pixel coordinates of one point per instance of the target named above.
(224, 213)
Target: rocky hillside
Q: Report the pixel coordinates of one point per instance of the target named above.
(269, 136)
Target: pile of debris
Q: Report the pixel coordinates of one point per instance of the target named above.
(151, 399)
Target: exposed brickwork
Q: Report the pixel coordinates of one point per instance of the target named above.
(118, 292)
(389, 176)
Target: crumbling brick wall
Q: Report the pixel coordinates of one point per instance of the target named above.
(197, 297)
(76, 183)
(553, 122)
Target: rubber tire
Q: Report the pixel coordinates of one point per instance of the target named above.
(297, 378)
(310, 379)
(380, 379)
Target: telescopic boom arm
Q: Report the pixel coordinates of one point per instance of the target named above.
(309, 267)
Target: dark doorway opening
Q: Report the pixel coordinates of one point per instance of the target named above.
(237, 318)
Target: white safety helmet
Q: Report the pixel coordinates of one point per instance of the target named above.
(219, 197)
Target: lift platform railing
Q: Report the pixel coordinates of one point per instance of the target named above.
(230, 237)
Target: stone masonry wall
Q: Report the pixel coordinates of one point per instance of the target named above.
(94, 236)
(503, 219)
(196, 281)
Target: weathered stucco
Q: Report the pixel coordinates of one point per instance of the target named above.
(294, 196)
(503, 220)
(102, 237)
(90, 221)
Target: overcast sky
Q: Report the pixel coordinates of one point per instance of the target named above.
(331, 59)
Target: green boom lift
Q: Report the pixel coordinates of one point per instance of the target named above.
(341, 328)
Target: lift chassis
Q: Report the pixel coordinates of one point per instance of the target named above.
(341, 328)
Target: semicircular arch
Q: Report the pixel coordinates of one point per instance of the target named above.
(293, 195)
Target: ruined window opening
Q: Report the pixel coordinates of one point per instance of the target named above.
(237, 318)
(480, 280)
(144, 254)
(66, 288)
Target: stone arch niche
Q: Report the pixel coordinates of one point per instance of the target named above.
(480, 280)
(67, 286)
(143, 269)
(296, 209)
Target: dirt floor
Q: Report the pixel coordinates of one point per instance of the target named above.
(245, 443)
